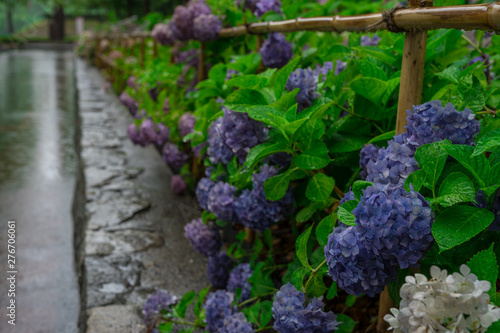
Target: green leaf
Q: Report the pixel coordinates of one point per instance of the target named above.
(316, 157)
(450, 74)
(264, 150)
(347, 325)
(485, 266)
(494, 328)
(458, 224)
(369, 69)
(432, 158)
(266, 313)
(292, 127)
(344, 212)
(351, 299)
(346, 142)
(246, 81)
(370, 88)
(252, 313)
(301, 247)
(308, 211)
(317, 286)
(218, 74)
(456, 188)
(325, 228)
(275, 187)
(180, 309)
(332, 291)
(477, 165)
(383, 137)
(268, 115)
(311, 130)
(282, 77)
(319, 187)
(199, 301)
(286, 101)
(358, 187)
(166, 327)
(487, 142)
(241, 99)
(416, 179)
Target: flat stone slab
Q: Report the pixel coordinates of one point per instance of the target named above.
(115, 210)
(100, 158)
(98, 177)
(113, 319)
(103, 243)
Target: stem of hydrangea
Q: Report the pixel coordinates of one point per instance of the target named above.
(263, 328)
(253, 299)
(313, 274)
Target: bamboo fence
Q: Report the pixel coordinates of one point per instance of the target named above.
(415, 20)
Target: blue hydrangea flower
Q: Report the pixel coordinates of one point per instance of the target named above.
(177, 184)
(153, 306)
(394, 163)
(254, 210)
(174, 157)
(218, 306)
(340, 66)
(186, 124)
(202, 190)
(368, 153)
(148, 131)
(276, 51)
(240, 132)
(163, 135)
(132, 83)
(239, 279)
(482, 202)
(182, 21)
(129, 102)
(323, 70)
(218, 270)
(221, 199)
(204, 238)
(236, 323)
(218, 151)
(367, 41)
(206, 27)
(292, 315)
(264, 6)
(431, 122)
(306, 80)
(135, 135)
(163, 34)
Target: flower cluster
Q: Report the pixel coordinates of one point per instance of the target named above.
(240, 132)
(204, 238)
(194, 21)
(239, 279)
(367, 41)
(218, 269)
(186, 124)
(323, 70)
(177, 184)
(221, 201)
(202, 191)
(393, 230)
(431, 122)
(154, 304)
(132, 83)
(236, 323)
(306, 80)
(264, 6)
(368, 153)
(129, 102)
(276, 51)
(254, 210)
(446, 303)
(206, 27)
(482, 202)
(218, 151)
(163, 34)
(174, 157)
(217, 307)
(291, 314)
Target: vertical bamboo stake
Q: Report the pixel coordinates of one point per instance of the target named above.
(155, 49)
(258, 45)
(97, 52)
(410, 93)
(141, 52)
(202, 75)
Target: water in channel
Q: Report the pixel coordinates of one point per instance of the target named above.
(37, 181)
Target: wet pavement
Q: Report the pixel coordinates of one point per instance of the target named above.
(37, 181)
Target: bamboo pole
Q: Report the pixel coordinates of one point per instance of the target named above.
(202, 75)
(142, 51)
(155, 49)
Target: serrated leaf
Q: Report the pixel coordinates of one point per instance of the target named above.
(241, 99)
(292, 127)
(199, 301)
(301, 247)
(344, 212)
(319, 187)
(317, 286)
(347, 325)
(432, 158)
(286, 101)
(477, 165)
(246, 81)
(487, 142)
(370, 88)
(485, 266)
(316, 157)
(458, 224)
(282, 77)
(309, 131)
(264, 150)
(346, 142)
(268, 115)
(416, 179)
(166, 327)
(358, 187)
(308, 211)
(180, 309)
(456, 188)
(332, 291)
(325, 228)
(218, 74)
(266, 312)
(276, 187)
(383, 137)
(350, 300)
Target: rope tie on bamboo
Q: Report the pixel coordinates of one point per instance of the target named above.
(388, 19)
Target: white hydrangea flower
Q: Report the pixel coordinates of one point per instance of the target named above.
(455, 303)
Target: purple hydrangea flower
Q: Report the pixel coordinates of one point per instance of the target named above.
(221, 199)
(230, 73)
(148, 131)
(206, 27)
(202, 191)
(323, 70)
(218, 270)
(153, 93)
(177, 184)
(198, 149)
(141, 114)
(132, 83)
(367, 41)
(163, 135)
(129, 102)
(218, 306)
(174, 157)
(236, 323)
(394, 163)
(340, 66)
(218, 151)
(306, 80)
(239, 279)
(276, 51)
(485, 59)
(166, 106)
(153, 306)
(135, 135)
(264, 6)
(254, 210)
(431, 122)
(186, 124)
(368, 153)
(240, 132)
(182, 21)
(204, 238)
(291, 314)
(482, 202)
(163, 34)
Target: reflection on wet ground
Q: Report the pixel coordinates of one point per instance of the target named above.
(37, 167)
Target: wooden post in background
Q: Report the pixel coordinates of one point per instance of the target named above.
(410, 93)
(155, 49)
(142, 51)
(202, 75)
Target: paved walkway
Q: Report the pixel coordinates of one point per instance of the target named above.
(134, 239)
